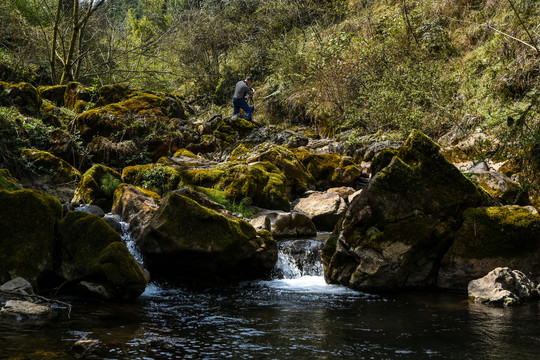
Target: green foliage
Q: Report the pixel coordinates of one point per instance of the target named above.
(243, 206)
(159, 179)
(109, 183)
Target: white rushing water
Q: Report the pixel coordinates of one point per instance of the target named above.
(299, 269)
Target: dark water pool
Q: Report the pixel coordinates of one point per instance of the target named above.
(281, 319)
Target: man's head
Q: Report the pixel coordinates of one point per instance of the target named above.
(249, 80)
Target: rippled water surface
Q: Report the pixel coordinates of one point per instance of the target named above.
(282, 319)
(300, 318)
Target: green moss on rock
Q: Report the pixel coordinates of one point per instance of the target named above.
(263, 182)
(75, 92)
(497, 232)
(97, 186)
(329, 170)
(382, 160)
(46, 163)
(7, 182)
(23, 96)
(158, 178)
(27, 234)
(298, 177)
(187, 240)
(55, 94)
(136, 115)
(399, 227)
(113, 93)
(92, 251)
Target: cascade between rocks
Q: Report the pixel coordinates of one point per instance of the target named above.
(298, 258)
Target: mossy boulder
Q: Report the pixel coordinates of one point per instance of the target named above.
(54, 94)
(263, 182)
(186, 241)
(298, 177)
(329, 170)
(7, 182)
(97, 186)
(27, 234)
(137, 116)
(157, 178)
(74, 93)
(397, 230)
(91, 252)
(23, 96)
(113, 153)
(228, 130)
(492, 237)
(50, 166)
(113, 93)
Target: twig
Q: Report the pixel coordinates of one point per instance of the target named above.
(523, 25)
(496, 30)
(39, 297)
(406, 13)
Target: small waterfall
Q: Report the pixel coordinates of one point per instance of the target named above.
(126, 237)
(297, 258)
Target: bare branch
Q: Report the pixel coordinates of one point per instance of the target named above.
(488, 26)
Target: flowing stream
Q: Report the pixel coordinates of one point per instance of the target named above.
(296, 315)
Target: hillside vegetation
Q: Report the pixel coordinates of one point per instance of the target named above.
(370, 66)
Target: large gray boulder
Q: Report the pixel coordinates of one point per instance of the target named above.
(502, 286)
(396, 231)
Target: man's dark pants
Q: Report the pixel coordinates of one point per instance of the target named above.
(241, 104)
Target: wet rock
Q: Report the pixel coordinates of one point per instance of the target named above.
(17, 308)
(502, 286)
(135, 206)
(91, 251)
(19, 286)
(492, 237)
(305, 256)
(85, 346)
(186, 241)
(114, 222)
(395, 232)
(91, 209)
(285, 224)
(323, 208)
